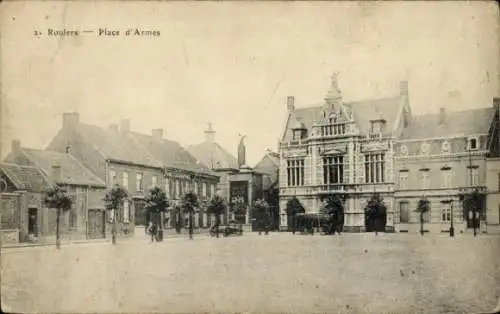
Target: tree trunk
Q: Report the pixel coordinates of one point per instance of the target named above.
(58, 240)
(113, 228)
(421, 223)
(217, 224)
(190, 226)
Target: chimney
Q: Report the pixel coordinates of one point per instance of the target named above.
(442, 116)
(125, 126)
(70, 120)
(113, 127)
(290, 103)
(210, 134)
(157, 134)
(403, 88)
(16, 146)
(56, 174)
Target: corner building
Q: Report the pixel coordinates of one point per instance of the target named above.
(356, 149)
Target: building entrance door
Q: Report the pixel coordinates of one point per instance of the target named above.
(96, 224)
(375, 222)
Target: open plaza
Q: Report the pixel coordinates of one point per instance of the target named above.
(279, 272)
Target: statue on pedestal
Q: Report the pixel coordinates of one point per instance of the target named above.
(242, 152)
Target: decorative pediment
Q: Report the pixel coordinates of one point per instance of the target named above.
(374, 146)
(336, 149)
(337, 114)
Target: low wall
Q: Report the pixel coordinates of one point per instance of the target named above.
(9, 236)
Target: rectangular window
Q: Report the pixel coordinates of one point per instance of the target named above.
(333, 170)
(126, 212)
(374, 168)
(167, 187)
(403, 179)
(178, 191)
(446, 178)
(473, 144)
(125, 180)
(212, 188)
(138, 182)
(204, 192)
(473, 176)
(112, 177)
(424, 177)
(295, 172)
(404, 213)
(445, 214)
(154, 181)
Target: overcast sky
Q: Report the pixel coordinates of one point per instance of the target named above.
(234, 64)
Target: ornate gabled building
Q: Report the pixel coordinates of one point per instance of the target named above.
(356, 149)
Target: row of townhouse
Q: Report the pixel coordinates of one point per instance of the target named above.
(354, 149)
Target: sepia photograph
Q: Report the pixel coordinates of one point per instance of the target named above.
(250, 157)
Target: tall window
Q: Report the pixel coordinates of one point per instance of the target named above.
(138, 182)
(336, 129)
(295, 172)
(403, 179)
(126, 211)
(473, 176)
(125, 180)
(167, 187)
(445, 214)
(212, 189)
(404, 213)
(446, 174)
(112, 177)
(333, 170)
(204, 187)
(196, 188)
(424, 179)
(154, 181)
(473, 143)
(178, 188)
(374, 168)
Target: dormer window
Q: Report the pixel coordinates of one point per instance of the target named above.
(473, 143)
(377, 127)
(299, 131)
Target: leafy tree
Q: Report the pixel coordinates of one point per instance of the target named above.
(113, 201)
(189, 204)
(293, 207)
(375, 212)
(272, 198)
(422, 208)
(334, 210)
(58, 198)
(156, 203)
(261, 213)
(239, 209)
(216, 207)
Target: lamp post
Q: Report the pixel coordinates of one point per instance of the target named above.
(471, 201)
(452, 229)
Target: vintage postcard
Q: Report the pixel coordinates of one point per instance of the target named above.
(250, 157)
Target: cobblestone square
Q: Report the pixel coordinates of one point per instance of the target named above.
(280, 272)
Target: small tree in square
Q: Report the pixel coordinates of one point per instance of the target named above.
(239, 209)
(261, 213)
(189, 204)
(57, 198)
(156, 204)
(113, 201)
(216, 206)
(334, 210)
(422, 208)
(375, 212)
(293, 207)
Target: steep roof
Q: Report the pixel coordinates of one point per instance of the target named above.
(458, 123)
(170, 153)
(117, 145)
(25, 177)
(72, 171)
(363, 112)
(212, 155)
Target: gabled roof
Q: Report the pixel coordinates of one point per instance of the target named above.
(117, 145)
(363, 111)
(274, 157)
(25, 177)
(458, 123)
(170, 153)
(212, 155)
(73, 172)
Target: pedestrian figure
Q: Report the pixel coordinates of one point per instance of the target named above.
(153, 232)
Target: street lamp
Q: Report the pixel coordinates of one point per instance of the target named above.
(452, 229)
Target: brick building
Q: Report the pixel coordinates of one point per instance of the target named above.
(355, 149)
(135, 161)
(25, 175)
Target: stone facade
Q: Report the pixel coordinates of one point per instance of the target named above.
(357, 149)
